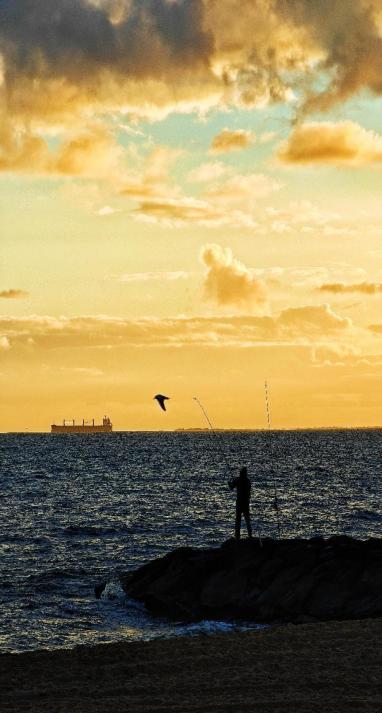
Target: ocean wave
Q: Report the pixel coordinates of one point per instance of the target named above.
(96, 531)
(368, 515)
(54, 574)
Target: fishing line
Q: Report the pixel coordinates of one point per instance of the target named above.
(213, 432)
(276, 499)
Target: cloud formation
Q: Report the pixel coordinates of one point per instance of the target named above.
(339, 288)
(229, 202)
(184, 210)
(65, 59)
(92, 152)
(85, 47)
(227, 280)
(348, 38)
(209, 171)
(243, 187)
(4, 343)
(320, 318)
(13, 294)
(342, 143)
(229, 140)
(153, 181)
(376, 328)
(295, 325)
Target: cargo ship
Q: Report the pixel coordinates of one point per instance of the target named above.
(85, 427)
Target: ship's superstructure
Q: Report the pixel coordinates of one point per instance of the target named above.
(85, 427)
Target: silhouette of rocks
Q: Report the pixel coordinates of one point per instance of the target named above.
(297, 581)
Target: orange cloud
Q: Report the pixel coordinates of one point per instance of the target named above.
(231, 140)
(227, 280)
(92, 152)
(319, 318)
(376, 328)
(45, 332)
(343, 143)
(13, 294)
(182, 210)
(367, 288)
(229, 202)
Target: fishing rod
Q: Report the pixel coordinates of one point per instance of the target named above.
(213, 431)
(276, 498)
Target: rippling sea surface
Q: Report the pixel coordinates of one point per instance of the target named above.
(77, 509)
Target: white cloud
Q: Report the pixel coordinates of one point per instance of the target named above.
(208, 172)
(4, 343)
(107, 210)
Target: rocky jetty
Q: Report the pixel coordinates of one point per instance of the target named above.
(276, 581)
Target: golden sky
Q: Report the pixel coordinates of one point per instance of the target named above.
(191, 204)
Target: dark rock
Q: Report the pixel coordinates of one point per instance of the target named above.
(295, 597)
(224, 589)
(365, 607)
(331, 593)
(276, 581)
(98, 589)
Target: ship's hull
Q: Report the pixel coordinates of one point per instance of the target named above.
(82, 429)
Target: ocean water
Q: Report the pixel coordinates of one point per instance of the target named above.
(77, 509)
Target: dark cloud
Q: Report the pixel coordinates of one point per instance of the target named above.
(72, 38)
(349, 34)
(100, 55)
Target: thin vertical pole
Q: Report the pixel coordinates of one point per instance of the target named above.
(276, 499)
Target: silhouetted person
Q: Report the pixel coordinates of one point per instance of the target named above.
(243, 496)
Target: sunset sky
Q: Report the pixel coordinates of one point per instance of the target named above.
(191, 204)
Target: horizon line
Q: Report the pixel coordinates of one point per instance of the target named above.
(206, 430)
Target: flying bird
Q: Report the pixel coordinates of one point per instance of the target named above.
(161, 400)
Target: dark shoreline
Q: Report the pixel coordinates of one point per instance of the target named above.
(333, 667)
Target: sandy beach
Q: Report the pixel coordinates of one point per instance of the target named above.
(333, 667)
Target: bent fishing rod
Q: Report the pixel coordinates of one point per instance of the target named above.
(213, 431)
(276, 498)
